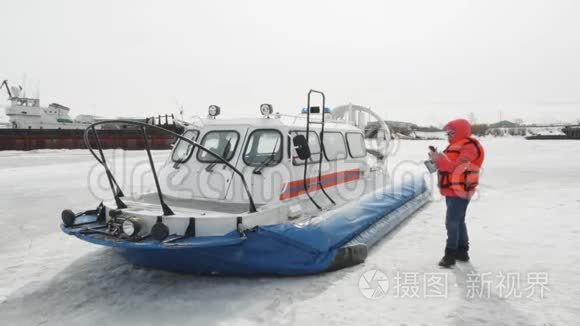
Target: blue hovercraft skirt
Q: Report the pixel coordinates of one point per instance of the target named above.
(333, 240)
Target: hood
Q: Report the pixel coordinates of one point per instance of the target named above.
(462, 129)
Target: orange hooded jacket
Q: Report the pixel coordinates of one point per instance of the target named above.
(460, 163)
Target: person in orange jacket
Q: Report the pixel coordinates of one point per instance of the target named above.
(458, 169)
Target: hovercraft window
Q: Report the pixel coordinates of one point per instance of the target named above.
(356, 144)
(314, 144)
(223, 143)
(334, 147)
(263, 148)
(183, 150)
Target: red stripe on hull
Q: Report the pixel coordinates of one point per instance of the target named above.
(296, 188)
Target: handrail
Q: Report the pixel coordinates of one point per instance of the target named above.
(322, 150)
(308, 142)
(164, 207)
(118, 192)
(189, 141)
(319, 179)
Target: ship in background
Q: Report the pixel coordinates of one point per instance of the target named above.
(568, 132)
(31, 126)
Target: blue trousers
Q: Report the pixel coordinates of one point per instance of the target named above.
(455, 222)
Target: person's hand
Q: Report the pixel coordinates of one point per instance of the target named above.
(433, 156)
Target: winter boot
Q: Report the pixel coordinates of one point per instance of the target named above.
(449, 259)
(462, 254)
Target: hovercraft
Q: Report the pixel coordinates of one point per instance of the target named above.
(277, 194)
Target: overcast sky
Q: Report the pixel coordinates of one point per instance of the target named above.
(421, 61)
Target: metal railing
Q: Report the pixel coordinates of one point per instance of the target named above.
(308, 123)
(116, 189)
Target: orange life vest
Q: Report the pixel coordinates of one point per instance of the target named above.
(466, 176)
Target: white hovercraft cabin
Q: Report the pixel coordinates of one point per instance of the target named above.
(196, 184)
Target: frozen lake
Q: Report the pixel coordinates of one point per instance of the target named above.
(524, 227)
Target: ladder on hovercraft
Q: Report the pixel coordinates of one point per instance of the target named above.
(314, 109)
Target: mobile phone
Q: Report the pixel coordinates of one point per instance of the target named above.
(431, 167)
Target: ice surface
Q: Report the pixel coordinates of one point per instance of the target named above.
(525, 220)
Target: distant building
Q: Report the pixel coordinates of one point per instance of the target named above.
(401, 125)
(504, 124)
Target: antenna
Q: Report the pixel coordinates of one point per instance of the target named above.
(180, 108)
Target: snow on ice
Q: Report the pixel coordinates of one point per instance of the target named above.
(524, 229)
